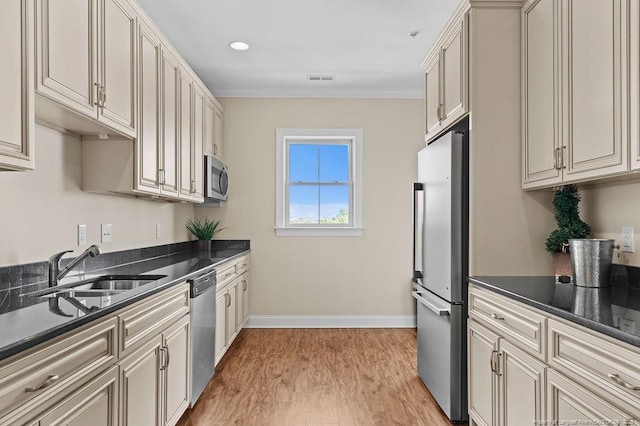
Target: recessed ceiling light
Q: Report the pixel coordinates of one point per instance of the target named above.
(238, 45)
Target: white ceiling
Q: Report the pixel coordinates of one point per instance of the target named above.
(364, 43)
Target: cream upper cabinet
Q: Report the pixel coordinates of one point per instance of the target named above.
(169, 138)
(634, 87)
(187, 152)
(218, 132)
(575, 109)
(209, 113)
(85, 60)
(147, 142)
(446, 77)
(198, 139)
(16, 85)
(540, 121)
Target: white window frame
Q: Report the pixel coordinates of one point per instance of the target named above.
(283, 137)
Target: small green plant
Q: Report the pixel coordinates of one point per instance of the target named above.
(203, 228)
(568, 217)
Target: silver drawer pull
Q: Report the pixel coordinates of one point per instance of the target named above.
(622, 382)
(496, 316)
(228, 274)
(50, 380)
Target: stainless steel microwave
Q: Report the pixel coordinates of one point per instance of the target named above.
(216, 179)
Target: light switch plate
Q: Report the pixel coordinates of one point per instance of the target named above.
(106, 232)
(82, 235)
(157, 231)
(627, 239)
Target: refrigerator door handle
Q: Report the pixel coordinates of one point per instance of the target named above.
(418, 223)
(432, 305)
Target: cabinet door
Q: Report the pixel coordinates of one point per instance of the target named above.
(95, 404)
(483, 344)
(218, 133)
(176, 384)
(594, 55)
(245, 298)
(522, 387)
(541, 148)
(634, 49)
(169, 165)
(186, 141)
(16, 102)
(221, 325)
(140, 390)
(148, 109)
(454, 75)
(568, 402)
(432, 94)
(67, 53)
(240, 302)
(232, 312)
(117, 24)
(209, 114)
(198, 142)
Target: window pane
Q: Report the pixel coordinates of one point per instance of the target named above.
(334, 204)
(334, 163)
(303, 163)
(303, 204)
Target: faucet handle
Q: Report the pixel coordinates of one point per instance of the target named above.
(56, 257)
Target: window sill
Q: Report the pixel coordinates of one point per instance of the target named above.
(319, 232)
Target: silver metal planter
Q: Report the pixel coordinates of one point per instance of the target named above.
(591, 260)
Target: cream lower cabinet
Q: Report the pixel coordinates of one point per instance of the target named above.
(94, 404)
(506, 386)
(232, 302)
(446, 76)
(581, 375)
(575, 109)
(154, 379)
(16, 86)
(218, 132)
(85, 57)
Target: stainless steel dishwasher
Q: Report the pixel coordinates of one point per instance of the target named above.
(203, 332)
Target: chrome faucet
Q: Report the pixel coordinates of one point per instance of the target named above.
(56, 274)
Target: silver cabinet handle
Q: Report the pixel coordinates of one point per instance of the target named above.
(98, 94)
(619, 380)
(51, 379)
(166, 348)
(228, 297)
(104, 97)
(440, 311)
(161, 353)
(245, 285)
(496, 316)
(492, 361)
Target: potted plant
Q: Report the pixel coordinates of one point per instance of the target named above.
(204, 230)
(570, 226)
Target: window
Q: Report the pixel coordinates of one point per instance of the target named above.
(319, 182)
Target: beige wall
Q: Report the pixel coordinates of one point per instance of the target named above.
(607, 208)
(508, 225)
(41, 209)
(368, 275)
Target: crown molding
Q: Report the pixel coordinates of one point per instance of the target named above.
(371, 93)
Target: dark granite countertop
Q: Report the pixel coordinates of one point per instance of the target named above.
(29, 320)
(614, 311)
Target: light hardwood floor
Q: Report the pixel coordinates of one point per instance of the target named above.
(341, 377)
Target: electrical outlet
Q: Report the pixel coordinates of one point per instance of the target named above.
(157, 231)
(106, 232)
(82, 235)
(627, 239)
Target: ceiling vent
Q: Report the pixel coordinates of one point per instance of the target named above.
(321, 77)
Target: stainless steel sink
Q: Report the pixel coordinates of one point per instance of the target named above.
(104, 285)
(116, 282)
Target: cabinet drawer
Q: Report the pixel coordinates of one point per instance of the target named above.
(593, 359)
(242, 265)
(146, 319)
(55, 365)
(525, 326)
(225, 273)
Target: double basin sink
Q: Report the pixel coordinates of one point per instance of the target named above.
(104, 285)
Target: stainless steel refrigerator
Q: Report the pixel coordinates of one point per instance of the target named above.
(440, 269)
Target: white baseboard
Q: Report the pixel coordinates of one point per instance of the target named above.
(345, 321)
